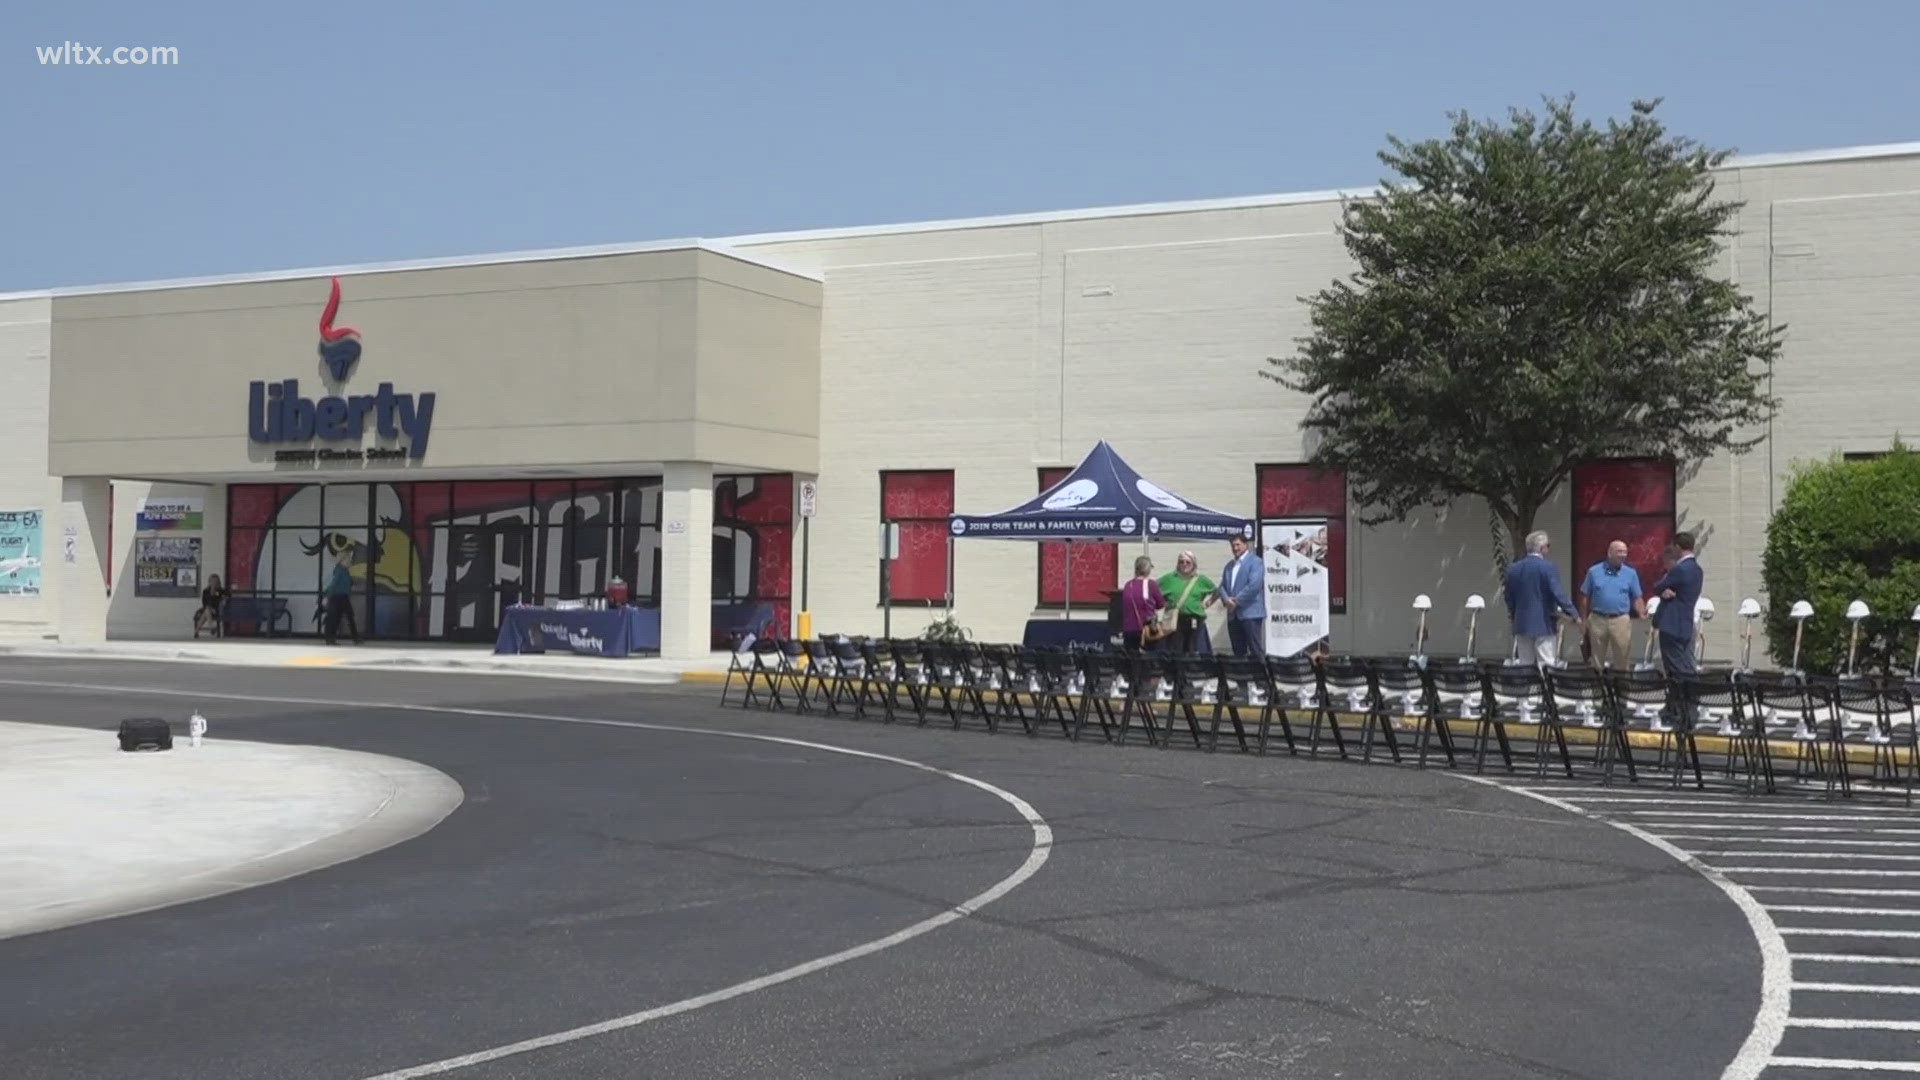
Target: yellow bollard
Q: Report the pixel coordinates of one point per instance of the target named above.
(806, 626)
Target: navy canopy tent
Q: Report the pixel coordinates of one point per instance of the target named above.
(1103, 500)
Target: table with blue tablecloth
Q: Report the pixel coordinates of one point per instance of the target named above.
(611, 632)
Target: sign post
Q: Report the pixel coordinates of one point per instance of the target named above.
(889, 551)
(809, 500)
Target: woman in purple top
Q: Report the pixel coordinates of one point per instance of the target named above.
(1140, 601)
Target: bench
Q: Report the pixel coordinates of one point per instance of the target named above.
(263, 613)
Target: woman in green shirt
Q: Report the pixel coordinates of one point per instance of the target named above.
(1188, 592)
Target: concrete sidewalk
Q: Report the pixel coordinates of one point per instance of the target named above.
(432, 657)
(94, 832)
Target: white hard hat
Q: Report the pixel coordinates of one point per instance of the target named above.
(1422, 602)
(1858, 610)
(1801, 610)
(1750, 607)
(1653, 604)
(1703, 609)
(1476, 602)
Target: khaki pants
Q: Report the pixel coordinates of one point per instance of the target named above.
(1610, 640)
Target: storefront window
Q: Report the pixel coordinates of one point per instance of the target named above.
(1630, 500)
(1303, 491)
(920, 503)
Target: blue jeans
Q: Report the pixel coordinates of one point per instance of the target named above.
(1247, 636)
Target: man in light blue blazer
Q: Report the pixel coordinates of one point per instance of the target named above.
(1534, 596)
(1243, 589)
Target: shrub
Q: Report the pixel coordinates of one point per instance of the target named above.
(1847, 530)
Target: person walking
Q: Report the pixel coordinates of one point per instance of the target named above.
(1188, 592)
(340, 602)
(1610, 599)
(1243, 589)
(1140, 602)
(1534, 596)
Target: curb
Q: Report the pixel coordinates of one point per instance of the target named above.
(346, 662)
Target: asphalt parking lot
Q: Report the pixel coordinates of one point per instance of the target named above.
(1196, 915)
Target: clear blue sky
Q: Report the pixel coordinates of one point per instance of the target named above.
(339, 132)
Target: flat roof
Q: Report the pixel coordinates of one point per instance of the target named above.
(730, 246)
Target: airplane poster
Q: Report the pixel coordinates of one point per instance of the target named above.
(1298, 585)
(19, 553)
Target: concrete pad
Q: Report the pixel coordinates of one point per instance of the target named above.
(94, 832)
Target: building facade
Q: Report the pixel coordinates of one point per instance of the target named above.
(531, 426)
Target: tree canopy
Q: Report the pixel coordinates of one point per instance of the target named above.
(1530, 295)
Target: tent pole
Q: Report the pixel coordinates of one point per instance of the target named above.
(1069, 579)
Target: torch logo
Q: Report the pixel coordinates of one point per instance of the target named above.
(339, 345)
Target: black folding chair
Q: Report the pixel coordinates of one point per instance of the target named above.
(912, 674)
(1400, 689)
(1578, 698)
(1781, 709)
(1057, 682)
(1011, 681)
(1344, 686)
(1458, 690)
(1382, 712)
(1244, 685)
(1707, 705)
(1192, 682)
(821, 673)
(1516, 697)
(1862, 720)
(878, 680)
(762, 670)
(1295, 682)
(1116, 694)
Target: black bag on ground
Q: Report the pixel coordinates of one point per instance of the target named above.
(146, 735)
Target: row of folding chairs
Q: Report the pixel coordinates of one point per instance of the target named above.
(1721, 723)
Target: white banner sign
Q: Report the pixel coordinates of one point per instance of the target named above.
(1298, 585)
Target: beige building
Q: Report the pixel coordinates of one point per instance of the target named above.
(531, 426)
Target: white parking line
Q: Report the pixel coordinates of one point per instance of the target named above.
(1850, 958)
(1816, 909)
(1777, 817)
(1840, 1023)
(1828, 931)
(1702, 826)
(1832, 891)
(1864, 856)
(1841, 1063)
(1821, 840)
(1815, 870)
(1857, 988)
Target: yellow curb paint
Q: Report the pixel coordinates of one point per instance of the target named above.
(313, 661)
(709, 678)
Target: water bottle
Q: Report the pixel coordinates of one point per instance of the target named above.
(196, 727)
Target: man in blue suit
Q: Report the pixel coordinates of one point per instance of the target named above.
(1678, 592)
(1534, 596)
(1243, 588)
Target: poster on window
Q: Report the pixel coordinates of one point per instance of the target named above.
(166, 566)
(1298, 584)
(185, 513)
(19, 553)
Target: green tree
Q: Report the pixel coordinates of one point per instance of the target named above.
(1846, 531)
(1528, 296)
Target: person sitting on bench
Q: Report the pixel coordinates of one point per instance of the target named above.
(213, 599)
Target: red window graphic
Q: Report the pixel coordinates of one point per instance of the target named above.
(1095, 566)
(1630, 500)
(919, 502)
